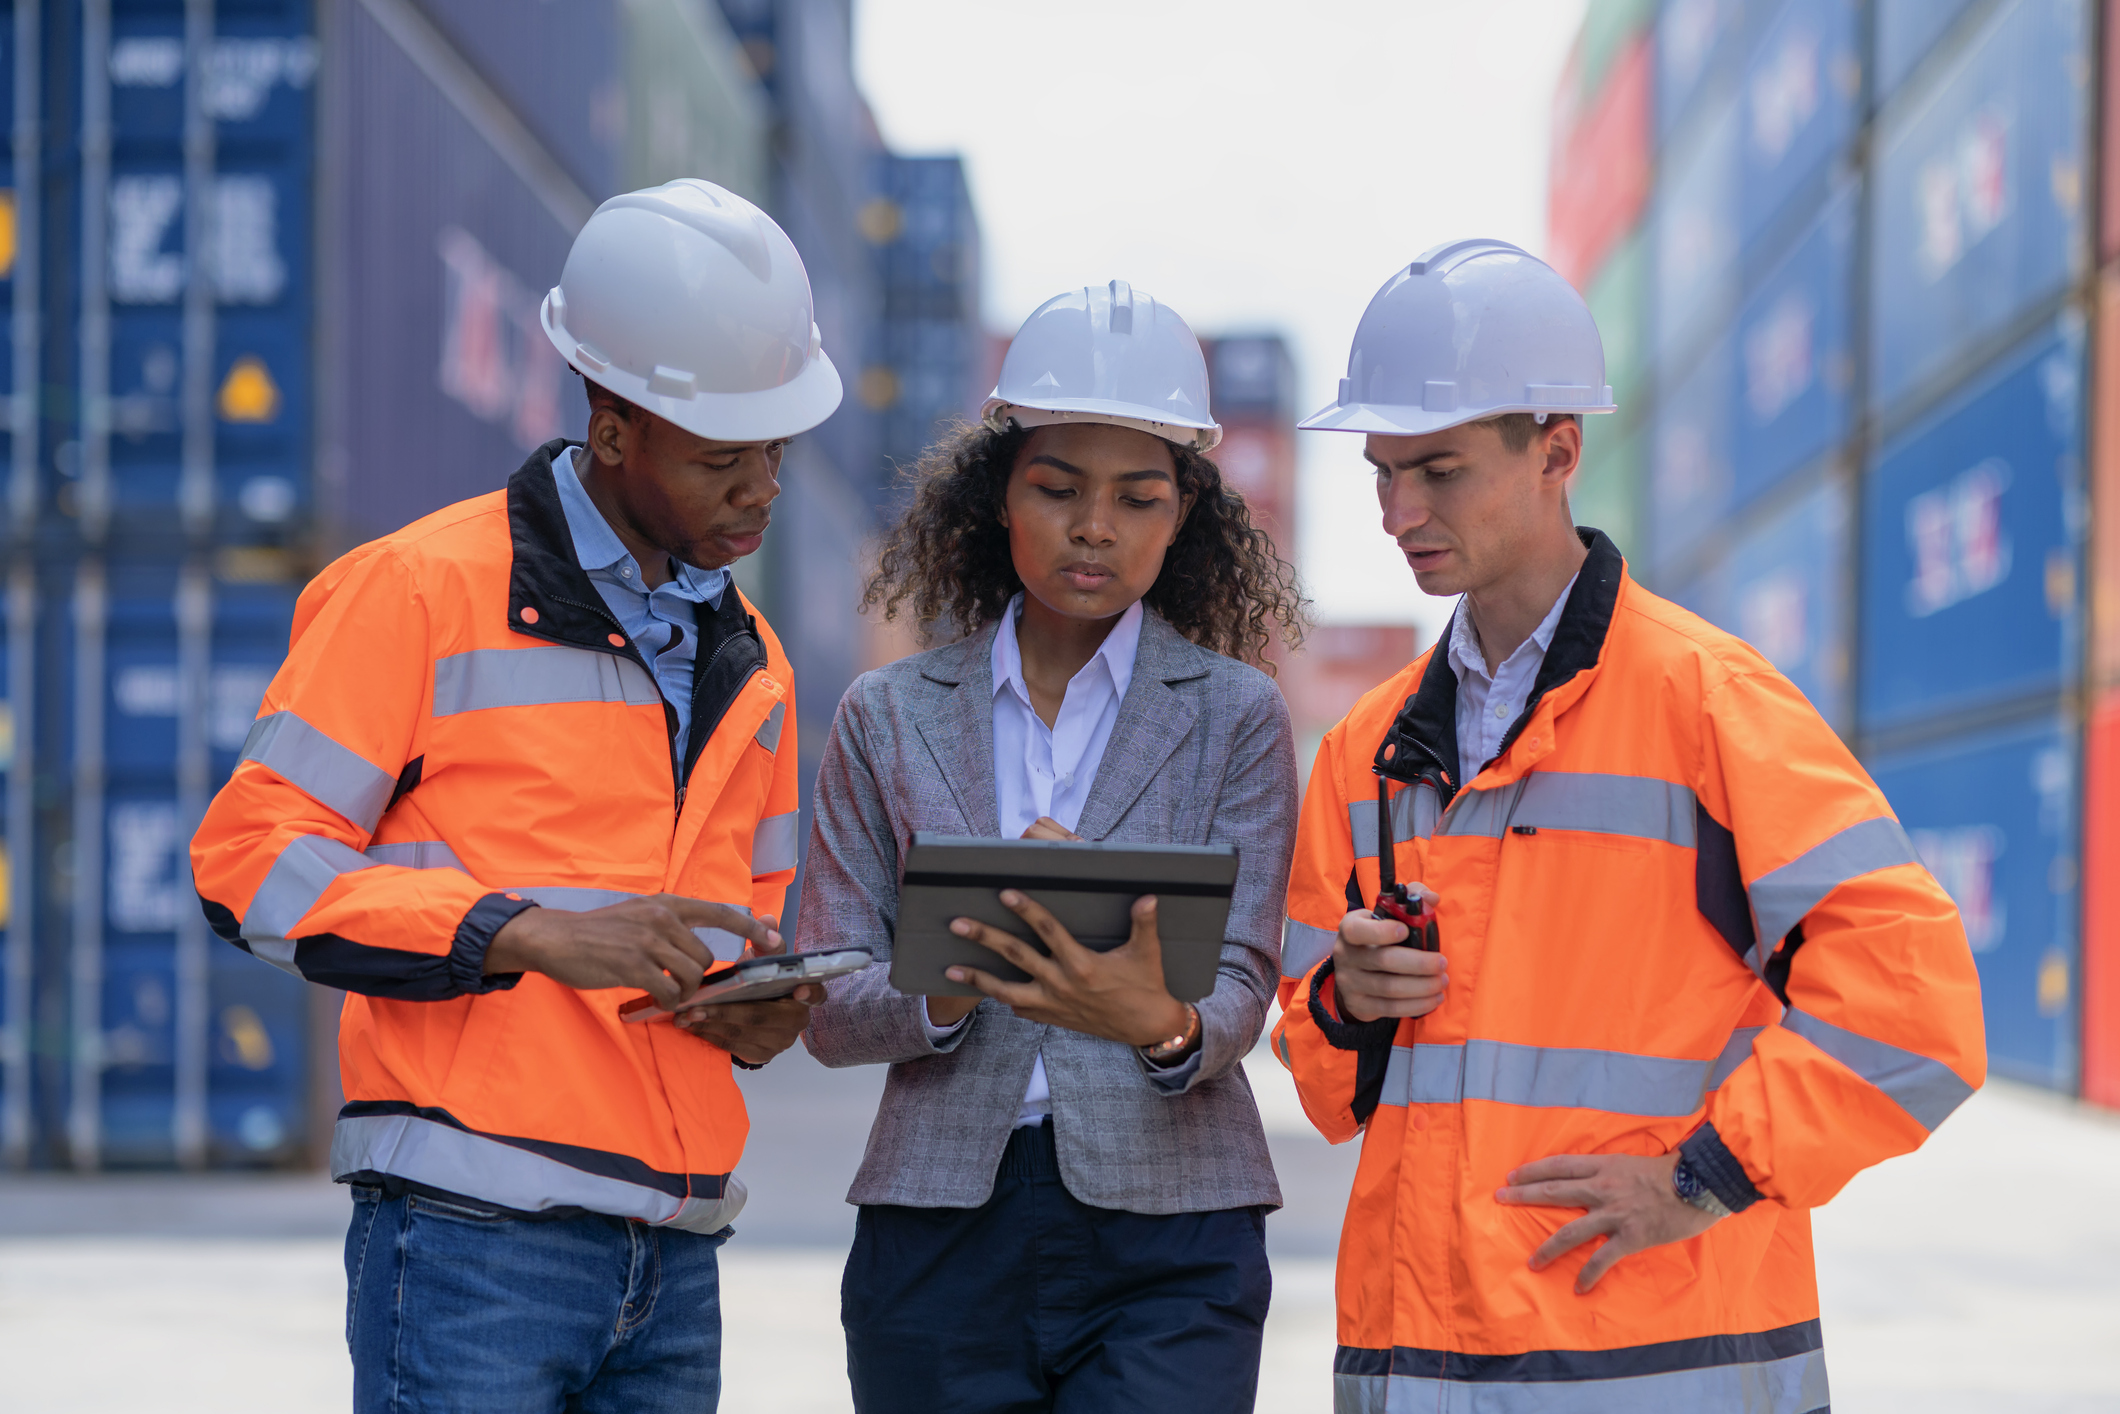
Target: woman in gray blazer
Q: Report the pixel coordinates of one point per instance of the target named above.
(1063, 1200)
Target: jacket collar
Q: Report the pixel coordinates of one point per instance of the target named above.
(1152, 721)
(1422, 742)
(550, 595)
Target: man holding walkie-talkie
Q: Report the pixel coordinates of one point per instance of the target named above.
(1688, 976)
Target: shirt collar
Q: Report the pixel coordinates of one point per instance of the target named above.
(1465, 654)
(597, 546)
(1117, 653)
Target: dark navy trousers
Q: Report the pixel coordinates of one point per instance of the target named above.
(1038, 1302)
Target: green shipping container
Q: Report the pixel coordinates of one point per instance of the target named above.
(1607, 491)
(693, 106)
(1619, 301)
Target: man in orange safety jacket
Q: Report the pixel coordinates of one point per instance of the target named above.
(529, 758)
(1691, 978)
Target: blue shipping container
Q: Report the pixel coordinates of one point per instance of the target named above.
(250, 1027)
(1972, 548)
(1980, 195)
(259, 96)
(1782, 588)
(1696, 241)
(1795, 356)
(1906, 31)
(1802, 95)
(447, 380)
(1690, 472)
(1994, 817)
(1694, 38)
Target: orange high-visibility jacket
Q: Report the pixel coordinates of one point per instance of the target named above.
(461, 731)
(1677, 913)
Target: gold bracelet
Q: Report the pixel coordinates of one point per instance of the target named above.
(1177, 1045)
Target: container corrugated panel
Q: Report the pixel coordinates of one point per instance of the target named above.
(1994, 817)
(259, 95)
(1600, 167)
(1972, 542)
(187, 1031)
(1619, 301)
(929, 265)
(558, 67)
(1802, 97)
(1690, 469)
(444, 379)
(1695, 41)
(1788, 595)
(1980, 201)
(1906, 31)
(1796, 356)
(2099, 973)
(1695, 217)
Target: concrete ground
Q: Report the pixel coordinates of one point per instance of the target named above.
(1981, 1274)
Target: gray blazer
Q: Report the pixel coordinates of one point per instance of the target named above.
(1201, 753)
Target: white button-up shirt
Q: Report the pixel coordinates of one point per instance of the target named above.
(1488, 702)
(1041, 770)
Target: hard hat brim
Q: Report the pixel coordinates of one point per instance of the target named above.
(1392, 421)
(1200, 436)
(769, 415)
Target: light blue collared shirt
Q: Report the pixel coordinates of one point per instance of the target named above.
(662, 622)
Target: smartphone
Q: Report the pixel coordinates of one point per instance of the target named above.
(1409, 908)
(757, 979)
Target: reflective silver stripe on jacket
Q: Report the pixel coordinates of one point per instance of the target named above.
(424, 1151)
(768, 734)
(1782, 897)
(773, 843)
(308, 866)
(1639, 806)
(1304, 947)
(334, 776)
(537, 677)
(416, 854)
(1794, 1384)
(1545, 1077)
(1413, 812)
(1926, 1089)
(1735, 1053)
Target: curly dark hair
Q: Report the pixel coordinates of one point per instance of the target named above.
(1222, 585)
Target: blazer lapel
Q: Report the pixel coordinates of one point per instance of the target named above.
(1152, 721)
(960, 731)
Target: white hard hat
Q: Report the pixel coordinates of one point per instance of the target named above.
(1471, 330)
(690, 302)
(1106, 354)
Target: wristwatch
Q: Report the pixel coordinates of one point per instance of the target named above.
(1165, 1052)
(1688, 1186)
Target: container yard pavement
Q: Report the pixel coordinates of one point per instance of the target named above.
(1980, 1274)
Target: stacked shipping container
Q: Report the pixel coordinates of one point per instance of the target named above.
(1862, 425)
(210, 397)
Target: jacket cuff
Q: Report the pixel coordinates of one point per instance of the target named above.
(467, 955)
(1712, 1162)
(1346, 1035)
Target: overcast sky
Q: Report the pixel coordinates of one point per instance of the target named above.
(1254, 164)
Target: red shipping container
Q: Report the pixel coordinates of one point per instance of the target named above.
(2100, 981)
(1598, 172)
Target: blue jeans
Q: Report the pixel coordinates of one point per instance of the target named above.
(452, 1310)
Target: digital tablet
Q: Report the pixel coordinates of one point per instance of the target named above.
(1089, 887)
(756, 979)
